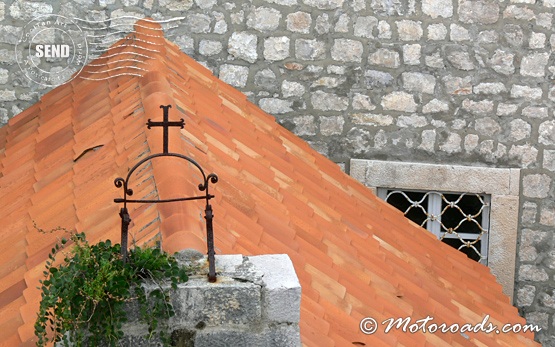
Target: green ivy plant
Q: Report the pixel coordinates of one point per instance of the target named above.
(84, 297)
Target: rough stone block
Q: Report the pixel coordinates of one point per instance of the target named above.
(419, 82)
(478, 12)
(346, 50)
(228, 263)
(534, 64)
(266, 80)
(490, 88)
(428, 140)
(547, 133)
(322, 24)
(276, 106)
(506, 109)
(378, 79)
(435, 106)
(412, 54)
(471, 142)
(519, 130)
(412, 121)
(502, 62)
(331, 125)
(384, 30)
(457, 85)
(264, 19)
(364, 26)
(198, 23)
(399, 101)
(310, 49)
(362, 102)
(343, 23)
(526, 92)
(461, 60)
(291, 89)
(278, 336)
(488, 36)
(234, 75)
(451, 144)
(525, 295)
(488, 126)
(205, 4)
(549, 159)
(304, 125)
(328, 101)
(227, 302)
(438, 8)
(209, 47)
(299, 22)
(536, 185)
(409, 30)
(280, 285)
(519, 13)
(371, 119)
(459, 33)
(437, 31)
(243, 45)
(276, 48)
(10, 34)
(27, 10)
(324, 4)
(532, 273)
(385, 57)
(537, 40)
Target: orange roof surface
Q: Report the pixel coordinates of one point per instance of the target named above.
(355, 255)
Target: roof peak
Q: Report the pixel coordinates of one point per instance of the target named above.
(132, 55)
(149, 27)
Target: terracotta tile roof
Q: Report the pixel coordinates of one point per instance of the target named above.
(355, 255)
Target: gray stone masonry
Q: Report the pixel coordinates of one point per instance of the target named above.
(465, 82)
(255, 302)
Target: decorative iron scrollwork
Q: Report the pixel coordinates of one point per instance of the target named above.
(203, 187)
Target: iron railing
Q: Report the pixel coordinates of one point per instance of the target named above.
(202, 187)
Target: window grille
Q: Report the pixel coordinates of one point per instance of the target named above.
(459, 219)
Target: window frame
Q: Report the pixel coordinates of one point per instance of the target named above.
(435, 208)
(502, 184)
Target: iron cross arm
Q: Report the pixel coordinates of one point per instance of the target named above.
(166, 124)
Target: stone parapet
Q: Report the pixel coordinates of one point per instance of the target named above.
(254, 302)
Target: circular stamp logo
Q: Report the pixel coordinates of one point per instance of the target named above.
(52, 50)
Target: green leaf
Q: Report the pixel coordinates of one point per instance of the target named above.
(88, 290)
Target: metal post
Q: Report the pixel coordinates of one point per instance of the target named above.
(125, 221)
(210, 243)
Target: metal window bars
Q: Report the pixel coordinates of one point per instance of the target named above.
(203, 187)
(458, 219)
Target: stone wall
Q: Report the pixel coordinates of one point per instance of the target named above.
(255, 302)
(466, 82)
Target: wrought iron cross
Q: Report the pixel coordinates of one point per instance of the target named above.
(166, 124)
(203, 187)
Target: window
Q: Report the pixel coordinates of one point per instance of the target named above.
(498, 187)
(460, 220)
